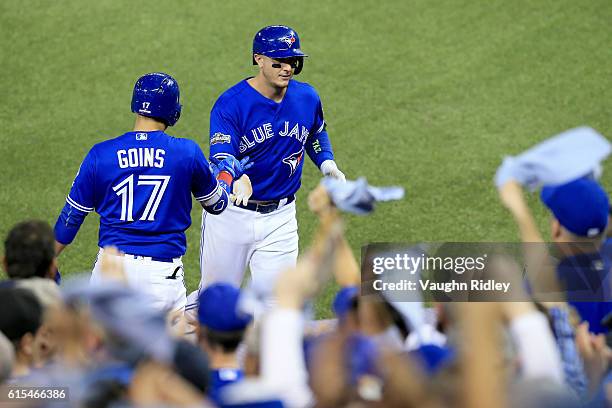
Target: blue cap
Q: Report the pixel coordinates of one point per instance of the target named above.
(218, 308)
(343, 300)
(580, 206)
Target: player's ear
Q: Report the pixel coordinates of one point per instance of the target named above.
(259, 59)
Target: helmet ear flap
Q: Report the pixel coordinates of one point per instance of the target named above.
(299, 66)
(177, 113)
(174, 117)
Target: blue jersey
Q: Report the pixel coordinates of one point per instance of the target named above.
(274, 135)
(221, 377)
(587, 281)
(141, 184)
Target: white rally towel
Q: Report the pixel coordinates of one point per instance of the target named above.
(358, 197)
(565, 157)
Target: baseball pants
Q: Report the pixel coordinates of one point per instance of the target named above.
(238, 237)
(162, 281)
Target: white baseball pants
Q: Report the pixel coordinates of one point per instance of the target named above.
(163, 281)
(237, 238)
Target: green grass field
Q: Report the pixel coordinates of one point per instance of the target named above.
(428, 94)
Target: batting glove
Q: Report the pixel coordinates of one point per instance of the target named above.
(234, 167)
(242, 190)
(329, 168)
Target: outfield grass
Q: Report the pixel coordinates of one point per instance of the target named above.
(427, 94)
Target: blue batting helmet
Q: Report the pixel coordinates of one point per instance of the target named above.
(156, 95)
(278, 41)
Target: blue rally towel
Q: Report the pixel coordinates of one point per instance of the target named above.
(358, 197)
(565, 157)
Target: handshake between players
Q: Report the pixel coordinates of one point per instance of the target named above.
(242, 188)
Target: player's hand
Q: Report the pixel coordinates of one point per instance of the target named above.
(330, 168)
(242, 190)
(235, 167)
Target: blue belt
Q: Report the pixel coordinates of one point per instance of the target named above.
(265, 207)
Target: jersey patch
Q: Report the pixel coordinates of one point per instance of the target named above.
(219, 138)
(293, 161)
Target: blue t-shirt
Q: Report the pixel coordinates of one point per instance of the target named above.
(586, 278)
(273, 135)
(141, 184)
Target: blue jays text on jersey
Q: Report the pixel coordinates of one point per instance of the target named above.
(274, 135)
(141, 184)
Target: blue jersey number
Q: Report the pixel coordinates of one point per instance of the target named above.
(125, 190)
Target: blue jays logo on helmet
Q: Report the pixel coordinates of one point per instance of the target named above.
(293, 161)
(278, 41)
(290, 40)
(156, 95)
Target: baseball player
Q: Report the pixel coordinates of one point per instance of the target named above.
(275, 120)
(140, 184)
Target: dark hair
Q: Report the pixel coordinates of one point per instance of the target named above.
(29, 249)
(227, 340)
(21, 313)
(191, 363)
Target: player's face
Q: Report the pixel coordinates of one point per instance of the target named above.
(277, 72)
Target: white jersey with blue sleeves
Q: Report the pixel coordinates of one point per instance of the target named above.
(141, 185)
(273, 135)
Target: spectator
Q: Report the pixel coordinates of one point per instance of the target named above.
(29, 251)
(7, 358)
(580, 216)
(20, 321)
(48, 295)
(580, 210)
(221, 331)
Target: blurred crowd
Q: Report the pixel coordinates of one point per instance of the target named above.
(108, 348)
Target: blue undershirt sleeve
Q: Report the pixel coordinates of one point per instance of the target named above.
(79, 202)
(318, 146)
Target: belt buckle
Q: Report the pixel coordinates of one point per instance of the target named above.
(265, 208)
